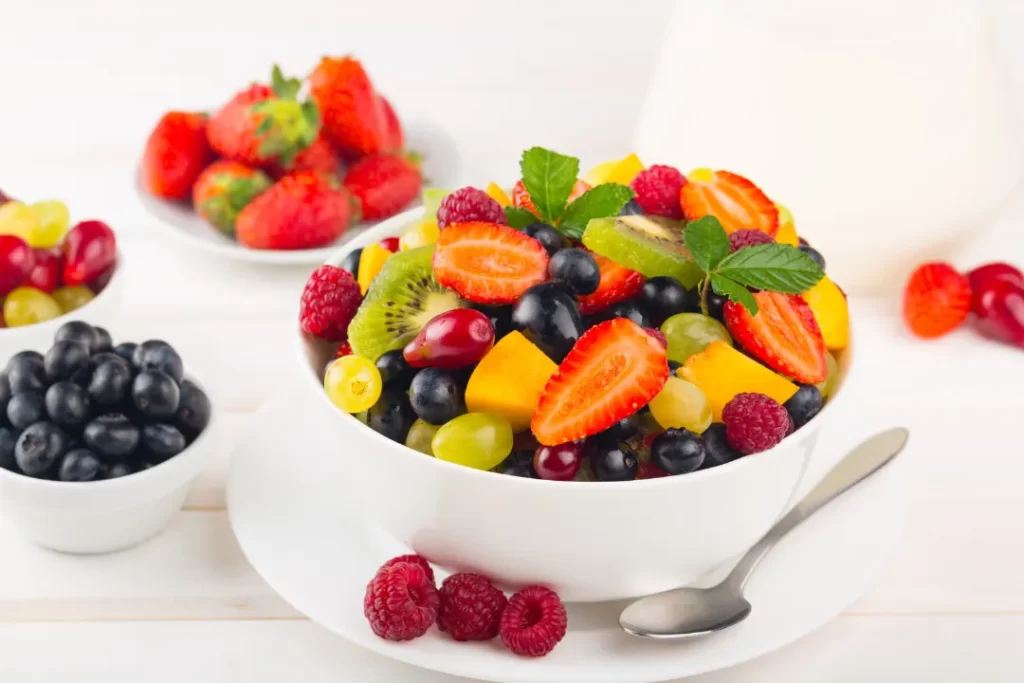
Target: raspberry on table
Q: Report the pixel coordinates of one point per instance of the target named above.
(329, 302)
(657, 191)
(401, 602)
(471, 607)
(414, 559)
(754, 422)
(748, 238)
(467, 205)
(533, 622)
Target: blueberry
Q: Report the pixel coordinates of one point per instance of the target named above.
(436, 396)
(39, 448)
(104, 342)
(118, 469)
(613, 461)
(716, 447)
(518, 464)
(804, 404)
(112, 437)
(631, 208)
(626, 309)
(26, 408)
(126, 350)
(80, 464)
(673, 366)
(67, 405)
(678, 451)
(110, 382)
(815, 255)
(577, 269)
(159, 355)
(102, 357)
(716, 306)
(155, 395)
(500, 317)
(193, 410)
(78, 331)
(548, 316)
(161, 442)
(351, 262)
(663, 297)
(5, 395)
(391, 415)
(64, 359)
(395, 373)
(624, 428)
(8, 437)
(26, 372)
(548, 237)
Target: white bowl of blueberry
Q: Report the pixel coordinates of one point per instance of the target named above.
(99, 444)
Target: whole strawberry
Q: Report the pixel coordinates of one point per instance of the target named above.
(265, 125)
(319, 156)
(384, 184)
(394, 137)
(224, 189)
(354, 117)
(176, 153)
(303, 210)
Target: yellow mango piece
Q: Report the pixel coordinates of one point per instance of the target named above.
(19, 220)
(721, 372)
(621, 171)
(370, 262)
(701, 175)
(421, 234)
(787, 228)
(509, 380)
(599, 173)
(498, 195)
(832, 313)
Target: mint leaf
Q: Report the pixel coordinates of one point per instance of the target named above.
(518, 217)
(775, 267)
(707, 242)
(723, 286)
(548, 177)
(604, 200)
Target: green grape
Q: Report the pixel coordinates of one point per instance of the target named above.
(690, 333)
(420, 436)
(829, 385)
(681, 405)
(353, 383)
(71, 298)
(28, 306)
(476, 440)
(53, 223)
(432, 197)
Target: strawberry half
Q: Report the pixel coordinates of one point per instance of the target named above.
(521, 198)
(618, 283)
(488, 263)
(737, 203)
(783, 335)
(614, 369)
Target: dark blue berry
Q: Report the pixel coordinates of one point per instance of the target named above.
(664, 296)
(577, 269)
(392, 415)
(126, 350)
(78, 331)
(626, 309)
(39, 448)
(26, 408)
(159, 355)
(155, 395)
(547, 314)
(804, 404)
(67, 405)
(161, 442)
(548, 236)
(631, 208)
(64, 359)
(194, 410)
(716, 447)
(8, 437)
(613, 461)
(104, 342)
(815, 256)
(112, 437)
(351, 262)
(111, 382)
(518, 464)
(624, 428)
(678, 451)
(80, 464)
(395, 373)
(436, 396)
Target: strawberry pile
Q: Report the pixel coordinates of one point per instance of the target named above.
(276, 171)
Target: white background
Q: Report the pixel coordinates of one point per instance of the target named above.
(81, 83)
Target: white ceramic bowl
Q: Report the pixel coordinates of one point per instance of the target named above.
(590, 541)
(103, 516)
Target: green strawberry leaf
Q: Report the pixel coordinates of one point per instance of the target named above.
(707, 242)
(775, 267)
(518, 217)
(549, 178)
(284, 88)
(723, 286)
(598, 202)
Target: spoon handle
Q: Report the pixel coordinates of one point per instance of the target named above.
(863, 461)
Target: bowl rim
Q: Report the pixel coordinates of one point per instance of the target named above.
(386, 228)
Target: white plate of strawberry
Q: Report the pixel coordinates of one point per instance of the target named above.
(284, 172)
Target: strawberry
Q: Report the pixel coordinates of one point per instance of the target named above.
(265, 125)
(176, 153)
(736, 202)
(224, 189)
(303, 210)
(783, 335)
(384, 184)
(488, 263)
(319, 156)
(614, 369)
(521, 198)
(394, 137)
(354, 117)
(936, 300)
(618, 283)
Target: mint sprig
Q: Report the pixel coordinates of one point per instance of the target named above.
(603, 200)
(518, 217)
(549, 178)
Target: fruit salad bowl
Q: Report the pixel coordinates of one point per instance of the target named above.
(590, 541)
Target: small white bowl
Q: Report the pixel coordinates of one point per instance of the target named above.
(103, 516)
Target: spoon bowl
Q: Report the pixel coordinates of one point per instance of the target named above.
(690, 612)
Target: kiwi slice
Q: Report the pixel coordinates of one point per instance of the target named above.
(402, 299)
(650, 245)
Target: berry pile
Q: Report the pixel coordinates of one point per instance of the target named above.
(633, 324)
(402, 602)
(274, 171)
(89, 410)
(47, 270)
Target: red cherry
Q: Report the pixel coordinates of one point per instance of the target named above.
(454, 339)
(558, 463)
(996, 270)
(16, 262)
(390, 243)
(90, 250)
(999, 305)
(648, 470)
(45, 274)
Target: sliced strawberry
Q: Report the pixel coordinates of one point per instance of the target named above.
(488, 263)
(618, 283)
(614, 369)
(783, 335)
(521, 198)
(735, 201)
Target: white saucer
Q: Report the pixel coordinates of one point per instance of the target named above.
(307, 542)
(176, 220)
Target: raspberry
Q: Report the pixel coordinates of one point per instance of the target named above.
(936, 301)
(471, 607)
(533, 622)
(657, 334)
(467, 205)
(657, 191)
(748, 238)
(413, 559)
(754, 422)
(329, 300)
(401, 602)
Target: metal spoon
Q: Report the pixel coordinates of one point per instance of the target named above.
(691, 612)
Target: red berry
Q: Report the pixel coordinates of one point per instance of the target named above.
(16, 262)
(754, 422)
(390, 243)
(344, 349)
(995, 270)
(413, 559)
(648, 470)
(533, 622)
(329, 301)
(657, 191)
(748, 238)
(999, 305)
(657, 334)
(469, 205)
(401, 602)
(90, 249)
(471, 607)
(384, 184)
(45, 274)
(454, 339)
(936, 300)
(558, 463)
